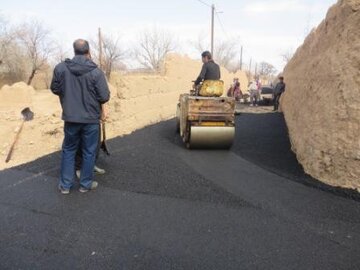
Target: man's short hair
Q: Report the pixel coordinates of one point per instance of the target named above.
(281, 78)
(206, 54)
(81, 47)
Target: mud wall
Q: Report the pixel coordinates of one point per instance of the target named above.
(322, 100)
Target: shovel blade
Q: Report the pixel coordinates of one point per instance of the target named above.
(27, 114)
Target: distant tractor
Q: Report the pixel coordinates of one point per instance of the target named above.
(206, 120)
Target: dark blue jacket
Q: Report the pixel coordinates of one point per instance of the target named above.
(82, 88)
(209, 71)
(279, 88)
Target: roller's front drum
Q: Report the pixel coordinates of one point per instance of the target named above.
(211, 137)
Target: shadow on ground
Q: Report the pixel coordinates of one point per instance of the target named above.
(263, 139)
(147, 162)
(151, 153)
(161, 206)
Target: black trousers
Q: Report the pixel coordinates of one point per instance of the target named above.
(79, 155)
(276, 101)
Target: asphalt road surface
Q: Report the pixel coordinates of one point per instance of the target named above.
(161, 206)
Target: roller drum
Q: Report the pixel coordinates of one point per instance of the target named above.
(211, 137)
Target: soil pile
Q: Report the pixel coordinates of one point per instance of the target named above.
(16, 95)
(322, 100)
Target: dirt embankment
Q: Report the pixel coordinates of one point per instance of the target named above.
(137, 100)
(322, 100)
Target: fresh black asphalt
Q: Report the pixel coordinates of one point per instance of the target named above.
(161, 206)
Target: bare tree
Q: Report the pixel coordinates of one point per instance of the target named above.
(224, 52)
(14, 65)
(201, 44)
(35, 39)
(3, 43)
(5, 39)
(12, 60)
(60, 53)
(112, 53)
(153, 46)
(287, 55)
(266, 69)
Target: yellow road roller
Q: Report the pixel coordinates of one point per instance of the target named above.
(206, 121)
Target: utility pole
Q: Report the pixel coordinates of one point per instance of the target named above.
(241, 57)
(255, 70)
(250, 66)
(212, 28)
(100, 50)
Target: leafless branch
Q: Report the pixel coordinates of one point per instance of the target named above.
(287, 55)
(224, 52)
(35, 39)
(153, 46)
(266, 69)
(12, 61)
(113, 53)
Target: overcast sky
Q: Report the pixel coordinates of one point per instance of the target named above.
(265, 28)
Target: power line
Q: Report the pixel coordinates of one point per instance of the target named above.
(212, 22)
(204, 3)
(221, 24)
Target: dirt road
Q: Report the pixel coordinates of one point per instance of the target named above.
(161, 206)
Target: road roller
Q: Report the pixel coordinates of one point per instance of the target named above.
(206, 122)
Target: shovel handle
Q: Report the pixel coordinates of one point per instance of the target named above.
(103, 131)
(9, 155)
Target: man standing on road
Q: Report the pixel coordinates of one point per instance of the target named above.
(253, 89)
(79, 157)
(278, 91)
(210, 70)
(82, 89)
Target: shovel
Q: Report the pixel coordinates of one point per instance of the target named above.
(103, 145)
(27, 115)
